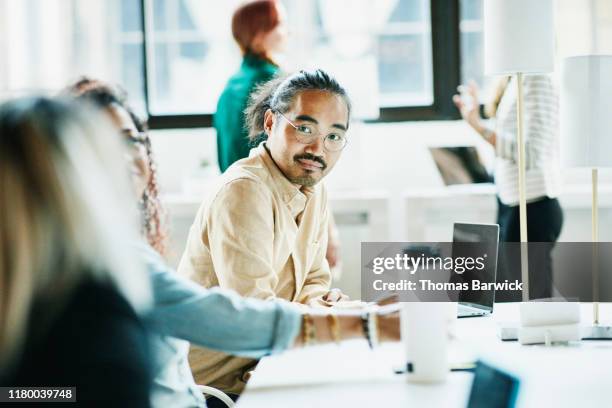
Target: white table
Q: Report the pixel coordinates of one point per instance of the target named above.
(351, 375)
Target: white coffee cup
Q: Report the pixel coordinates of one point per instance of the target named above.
(425, 330)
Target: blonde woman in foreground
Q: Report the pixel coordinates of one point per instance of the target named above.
(64, 278)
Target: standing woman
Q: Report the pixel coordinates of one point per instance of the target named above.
(542, 178)
(259, 29)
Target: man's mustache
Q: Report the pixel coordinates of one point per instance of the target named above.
(308, 156)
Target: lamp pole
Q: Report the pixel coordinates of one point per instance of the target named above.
(521, 180)
(595, 239)
(586, 143)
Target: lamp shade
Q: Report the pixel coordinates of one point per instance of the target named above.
(586, 111)
(518, 36)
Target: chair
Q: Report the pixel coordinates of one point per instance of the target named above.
(218, 394)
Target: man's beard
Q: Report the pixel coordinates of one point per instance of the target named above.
(304, 180)
(307, 180)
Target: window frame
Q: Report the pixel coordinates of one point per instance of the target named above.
(446, 75)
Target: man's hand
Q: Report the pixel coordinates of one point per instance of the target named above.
(389, 300)
(335, 295)
(389, 327)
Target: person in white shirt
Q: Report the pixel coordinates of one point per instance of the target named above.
(542, 177)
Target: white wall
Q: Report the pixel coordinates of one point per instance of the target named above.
(390, 155)
(378, 156)
(381, 160)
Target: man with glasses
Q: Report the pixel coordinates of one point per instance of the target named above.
(263, 231)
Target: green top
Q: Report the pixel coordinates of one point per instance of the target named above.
(232, 137)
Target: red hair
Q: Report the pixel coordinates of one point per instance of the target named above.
(252, 18)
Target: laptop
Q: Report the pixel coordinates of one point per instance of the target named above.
(460, 165)
(478, 302)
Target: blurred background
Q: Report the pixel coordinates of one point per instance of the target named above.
(401, 61)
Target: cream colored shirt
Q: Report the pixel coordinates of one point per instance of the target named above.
(260, 235)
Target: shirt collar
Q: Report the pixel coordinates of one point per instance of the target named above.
(294, 196)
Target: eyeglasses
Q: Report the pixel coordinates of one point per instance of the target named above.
(307, 134)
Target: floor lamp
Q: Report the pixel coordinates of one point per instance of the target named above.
(518, 40)
(586, 139)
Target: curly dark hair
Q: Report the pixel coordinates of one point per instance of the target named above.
(153, 215)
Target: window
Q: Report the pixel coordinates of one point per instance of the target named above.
(471, 40)
(129, 39)
(50, 43)
(399, 59)
(174, 56)
(384, 52)
(190, 54)
(472, 47)
(404, 56)
(580, 30)
(380, 50)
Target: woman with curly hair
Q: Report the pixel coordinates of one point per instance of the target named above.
(114, 100)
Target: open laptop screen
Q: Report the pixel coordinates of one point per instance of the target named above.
(460, 165)
(472, 240)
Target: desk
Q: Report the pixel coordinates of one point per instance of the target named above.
(351, 375)
(431, 212)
